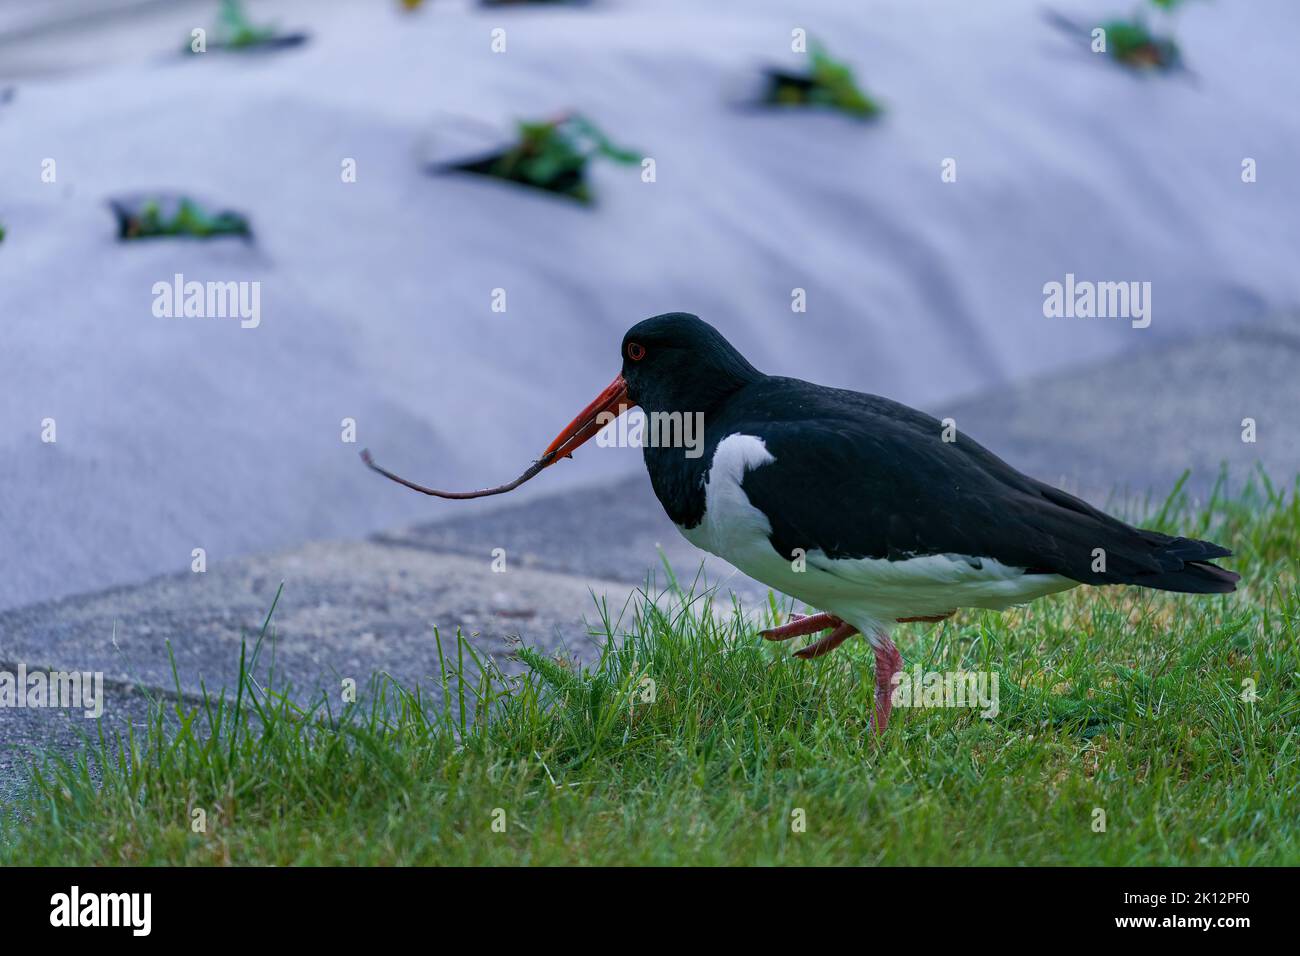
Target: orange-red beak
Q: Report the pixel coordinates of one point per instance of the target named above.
(609, 404)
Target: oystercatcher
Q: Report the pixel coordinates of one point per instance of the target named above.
(857, 505)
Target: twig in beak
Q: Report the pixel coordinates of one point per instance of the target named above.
(533, 470)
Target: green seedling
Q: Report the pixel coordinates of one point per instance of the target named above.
(553, 155)
(1132, 43)
(828, 83)
(148, 220)
(238, 30)
(235, 31)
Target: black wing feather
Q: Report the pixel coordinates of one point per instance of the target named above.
(875, 479)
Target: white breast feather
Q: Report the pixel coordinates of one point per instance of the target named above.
(731, 526)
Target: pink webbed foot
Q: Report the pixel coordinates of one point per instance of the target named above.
(800, 625)
(828, 643)
(888, 663)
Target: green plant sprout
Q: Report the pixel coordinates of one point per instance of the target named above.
(237, 31)
(234, 31)
(553, 155)
(1129, 41)
(190, 220)
(2, 232)
(1133, 44)
(828, 83)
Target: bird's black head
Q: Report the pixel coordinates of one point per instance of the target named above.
(671, 363)
(678, 363)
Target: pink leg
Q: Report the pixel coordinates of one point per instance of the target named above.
(888, 663)
(828, 643)
(800, 625)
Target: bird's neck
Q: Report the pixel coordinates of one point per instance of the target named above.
(678, 446)
(678, 481)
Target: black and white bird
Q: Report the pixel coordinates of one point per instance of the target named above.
(856, 505)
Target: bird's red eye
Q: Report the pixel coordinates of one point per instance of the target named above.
(635, 352)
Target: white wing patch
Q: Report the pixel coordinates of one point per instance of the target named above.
(731, 526)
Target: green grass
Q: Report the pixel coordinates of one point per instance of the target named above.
(1119, 699)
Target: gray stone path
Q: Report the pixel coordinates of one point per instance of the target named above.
(348, 610)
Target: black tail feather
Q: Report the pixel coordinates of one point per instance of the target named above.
(1135, 556)
(1185, 566)
(1184, 549)
(1195, 577)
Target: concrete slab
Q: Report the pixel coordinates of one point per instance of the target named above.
(348, 609)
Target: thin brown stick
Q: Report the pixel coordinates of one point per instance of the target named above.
(533, 470)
